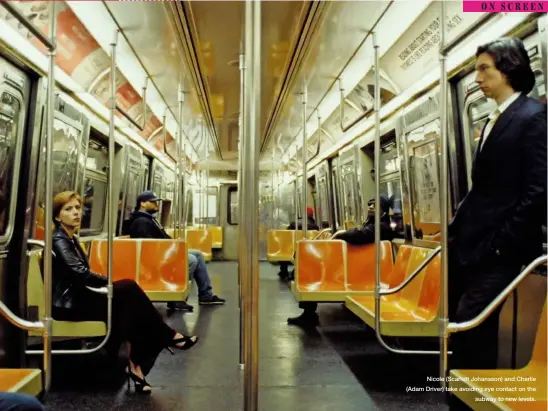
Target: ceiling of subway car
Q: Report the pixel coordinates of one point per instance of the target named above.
(216, 29)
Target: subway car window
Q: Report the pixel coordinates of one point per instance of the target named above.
(323, 197)
(97, 158)
(233, 206)
(9, 120)
(95, 188)
(65, 161)
(65, 156)
(205, 209)
(349, 194)
(423, 153)
(95, 200)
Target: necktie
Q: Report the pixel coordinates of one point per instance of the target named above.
(492, 120)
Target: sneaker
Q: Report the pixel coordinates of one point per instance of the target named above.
(305, 320)
(211, 300)
(180, 306)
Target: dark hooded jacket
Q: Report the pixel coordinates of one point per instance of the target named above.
(141, 224)
(366, 233)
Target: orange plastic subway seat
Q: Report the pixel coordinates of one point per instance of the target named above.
(345, 272)
(124, 263)
(280, 245)
(321, 265)
(484, 395)
(163, 269)
(411, 311)
(200, 239)
(160, 267)
(361, 265)
(20, 380)
(216, 233)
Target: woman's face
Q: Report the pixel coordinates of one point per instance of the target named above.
(70, 214)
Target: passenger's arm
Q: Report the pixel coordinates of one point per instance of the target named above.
(81, 274)
(533, 199)
(359, 236)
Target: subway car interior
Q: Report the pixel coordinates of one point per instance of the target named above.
(263, 131)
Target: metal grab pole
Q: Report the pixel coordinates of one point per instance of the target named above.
(48, 251)
(304, 218)
(250, 179)
(272, 203)
(443, 203)
(241, 189)
(376, 166)
(182, 190)
(175, 204)
(207, 184)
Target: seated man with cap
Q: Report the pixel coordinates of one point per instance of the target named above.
(143, 224)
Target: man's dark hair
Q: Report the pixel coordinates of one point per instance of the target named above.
(512, 60)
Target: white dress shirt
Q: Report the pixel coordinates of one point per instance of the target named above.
(496, 114)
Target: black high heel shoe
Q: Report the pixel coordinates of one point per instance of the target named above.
(189, 342)
(141, 385)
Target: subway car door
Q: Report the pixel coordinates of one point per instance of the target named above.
(19, 123)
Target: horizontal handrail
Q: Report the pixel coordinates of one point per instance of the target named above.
(20, 322)
(37, 243)
(325, 230)
(394, 290)
(481, 317)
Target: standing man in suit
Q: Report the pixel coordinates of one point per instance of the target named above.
(497, 228)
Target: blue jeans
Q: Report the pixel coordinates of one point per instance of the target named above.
(197, 269)
(19, 402)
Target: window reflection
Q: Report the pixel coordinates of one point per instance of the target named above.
(323, 197)
(233, 206)
(349, 195)
(94, 207)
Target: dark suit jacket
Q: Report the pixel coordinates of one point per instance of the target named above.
(502, 215)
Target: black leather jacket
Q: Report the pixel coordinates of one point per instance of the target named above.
(71, 273)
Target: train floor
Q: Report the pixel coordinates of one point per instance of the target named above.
(338, 365)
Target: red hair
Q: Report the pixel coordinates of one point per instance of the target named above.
(309, 211)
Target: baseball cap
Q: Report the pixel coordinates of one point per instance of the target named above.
(147, 196)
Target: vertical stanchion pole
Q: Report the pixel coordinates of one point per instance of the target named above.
(250, 179)
(241, 192)
(49, 199)
(182, 160)
(175, 204)
(272, 203)
(207, 185)
(111, 195)
(377, 167)
(443, 202)
(304, 218)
